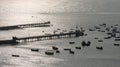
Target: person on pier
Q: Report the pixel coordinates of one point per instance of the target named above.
(14, 38)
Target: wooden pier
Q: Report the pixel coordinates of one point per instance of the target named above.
(16, 40)
(45, 24)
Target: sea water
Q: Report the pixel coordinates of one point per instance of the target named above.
(63, 14)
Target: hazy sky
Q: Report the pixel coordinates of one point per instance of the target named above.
(29, 6)
(11, 10)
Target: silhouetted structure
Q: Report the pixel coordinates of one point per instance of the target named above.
(45, 24)
(16, 40)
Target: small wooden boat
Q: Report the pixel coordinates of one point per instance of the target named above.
(107, 37)
(78, 47)
(49, 53)
(83, 43)
(58, 29)
(99, 30)
(102, 31)
(96, 27)
(36, 50)
(71, 42)
(96, 38)
(104, 24)
(116, 25)
(117, 39)
(54, 48)
(109, 33)
(116, 44)
(67, 49)
(91, 29)
(15, 55)
(100, 40)
(88, 43)
(71, 52)
(99, 48)
(57, 51)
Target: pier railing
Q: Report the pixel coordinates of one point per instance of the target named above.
(45, 24)
(16, 40)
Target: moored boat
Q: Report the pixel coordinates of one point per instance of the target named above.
(71, 42)
(99, 48)
(49, 52)
(36, 50)
(15, 55)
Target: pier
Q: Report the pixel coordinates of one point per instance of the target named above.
(16, 40)
(45, 24)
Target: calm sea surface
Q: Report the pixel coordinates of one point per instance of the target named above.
(63, 14)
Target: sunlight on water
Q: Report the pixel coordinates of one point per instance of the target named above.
(64, 15)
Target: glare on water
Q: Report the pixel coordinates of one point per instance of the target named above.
(63, 14)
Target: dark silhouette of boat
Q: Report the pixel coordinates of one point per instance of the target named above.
(71, 52)
(54, 48)
(77, 47)
(100, 40)
(15, 55)
(88, 43)
(102, 31)
(49, 52)
(35, 49)
(57, 51)
(109, 33)
(99, 48)
(96, 27)
(96, 38)
(116, 44)
(91, 29)
(85, 44)
(107, 37)
(71, 42)
(117, 39)
(67, 49)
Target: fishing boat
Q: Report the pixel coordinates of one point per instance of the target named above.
(78, 47)
(36, 50)
(100, 40)
(71, 42)
(99, 48)
(15, 55)
(116, 44)
(67, 49)
(71, 52)
(54, 48)
(107, 37)
(49, 52)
